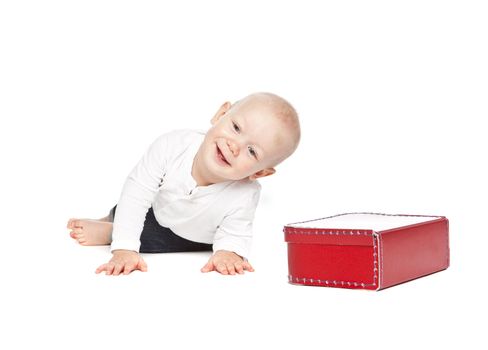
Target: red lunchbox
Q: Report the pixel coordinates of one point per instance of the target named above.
(366, 250)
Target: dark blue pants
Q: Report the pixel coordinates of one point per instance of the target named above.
(158, 239)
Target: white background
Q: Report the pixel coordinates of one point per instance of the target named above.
(391, 97)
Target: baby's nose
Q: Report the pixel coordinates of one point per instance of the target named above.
(234, 148)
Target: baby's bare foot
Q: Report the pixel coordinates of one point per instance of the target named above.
(70, 224)
(90, 232)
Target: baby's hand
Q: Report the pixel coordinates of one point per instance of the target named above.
(226, 263)
(123, 261)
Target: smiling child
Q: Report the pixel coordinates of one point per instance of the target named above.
(197, 191)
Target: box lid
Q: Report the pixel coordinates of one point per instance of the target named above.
(350, 228)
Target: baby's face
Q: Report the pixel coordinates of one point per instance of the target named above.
(243, 142)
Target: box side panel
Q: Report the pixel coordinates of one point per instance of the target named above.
(412, 252)
(332, 265)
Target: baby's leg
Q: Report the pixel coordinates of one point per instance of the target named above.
(91, 232)
(107, 218)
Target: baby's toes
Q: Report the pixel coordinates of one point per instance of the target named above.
(76, 233)
(72, 223)
(69, 225)
(79, 236)
(77, 230)
(77, 223)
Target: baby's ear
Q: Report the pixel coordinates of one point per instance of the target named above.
(222, 110)
(262, 173)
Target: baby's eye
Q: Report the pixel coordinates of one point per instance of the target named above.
(252, 152)
(236, 127)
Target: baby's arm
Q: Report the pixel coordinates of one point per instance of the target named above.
(123, 261)
(138, 193)
(233, 238)
(227, 262)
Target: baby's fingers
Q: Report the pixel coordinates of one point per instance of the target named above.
(209, 266)
(118, 269)
(231, 268)
(247, 266)
(222, 269)
(101, 268)
(142, 265)
(129, 268)
(110, 268)
(239, 268)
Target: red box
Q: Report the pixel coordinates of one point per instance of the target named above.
(366, 250)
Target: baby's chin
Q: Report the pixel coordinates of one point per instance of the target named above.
(243, 178)
(233, 177)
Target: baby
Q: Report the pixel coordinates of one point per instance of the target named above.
(196, 191)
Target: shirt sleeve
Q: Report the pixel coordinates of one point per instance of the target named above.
(235, 231)
(138, 193)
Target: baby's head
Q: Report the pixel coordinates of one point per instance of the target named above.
(249, 138)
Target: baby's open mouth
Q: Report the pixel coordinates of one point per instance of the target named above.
(221, 156)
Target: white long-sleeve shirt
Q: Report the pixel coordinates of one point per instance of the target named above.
(220, 214)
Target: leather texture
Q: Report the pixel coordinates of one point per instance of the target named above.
(366, 259)
(410, 252)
